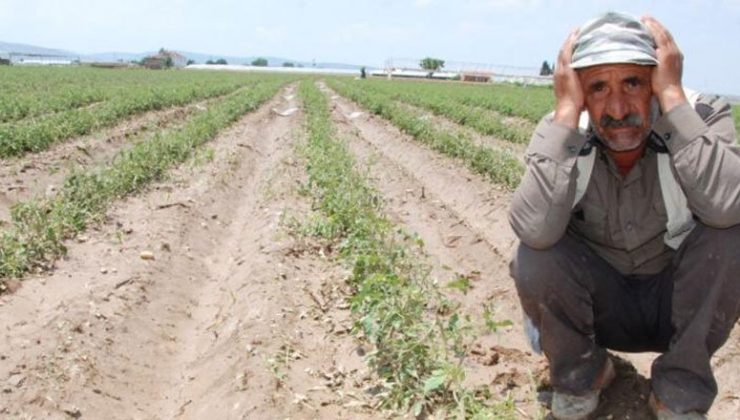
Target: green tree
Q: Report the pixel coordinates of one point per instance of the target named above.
(431, 64)
(288, 64)
(221, 61)
(545, 70)
(261, 62)
(190, 62)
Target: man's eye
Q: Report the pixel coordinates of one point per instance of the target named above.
(632, 84)
(598, 88)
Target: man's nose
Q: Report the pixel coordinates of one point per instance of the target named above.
(616, 106)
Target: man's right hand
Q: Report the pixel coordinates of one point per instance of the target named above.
(569, 99)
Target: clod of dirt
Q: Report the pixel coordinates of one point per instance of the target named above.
(71, 411)
(146, 255)
(10, 286)
(16, 380)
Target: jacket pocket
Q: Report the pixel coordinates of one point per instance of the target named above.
(591, 222)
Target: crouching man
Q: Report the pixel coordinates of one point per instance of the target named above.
(628, 216)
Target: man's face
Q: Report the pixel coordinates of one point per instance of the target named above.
(618, 102)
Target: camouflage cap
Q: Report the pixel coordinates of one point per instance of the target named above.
(613, 38)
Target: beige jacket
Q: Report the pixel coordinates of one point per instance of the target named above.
(624, 220)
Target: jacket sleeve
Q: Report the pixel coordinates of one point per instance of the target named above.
(541, 206)
(706, 158)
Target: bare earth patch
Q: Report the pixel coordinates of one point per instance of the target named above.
(42, 173)
(192, 302)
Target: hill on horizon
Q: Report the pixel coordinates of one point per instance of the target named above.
(200, 58)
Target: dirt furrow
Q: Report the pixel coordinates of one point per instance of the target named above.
(192, 302)
(477, 138)
(480, 204)
(42, 173)
(454, 249)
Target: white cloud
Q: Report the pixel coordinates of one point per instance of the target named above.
(422, 3)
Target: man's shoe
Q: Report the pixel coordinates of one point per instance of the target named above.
(578, 407)
(662, 412)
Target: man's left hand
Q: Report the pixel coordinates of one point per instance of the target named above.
(666, 77)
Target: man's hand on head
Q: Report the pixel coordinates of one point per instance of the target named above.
(666, 77)
(569, 99)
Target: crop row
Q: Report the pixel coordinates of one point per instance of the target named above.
(47, 81)
(14, 109)
(38, 134)
(419, 339)
(27, 92)
(39, 227)
(501, 166)
(429, 96)
(528, 102)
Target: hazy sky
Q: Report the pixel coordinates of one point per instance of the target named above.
(515, 32)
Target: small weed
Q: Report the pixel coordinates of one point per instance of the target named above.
(491, 324)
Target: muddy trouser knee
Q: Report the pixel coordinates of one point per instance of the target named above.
(706, 303)
(555, 287)
(580, 305)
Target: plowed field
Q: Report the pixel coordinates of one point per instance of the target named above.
(205, 293)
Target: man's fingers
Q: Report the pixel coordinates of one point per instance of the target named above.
(660, 33)
(566, 51)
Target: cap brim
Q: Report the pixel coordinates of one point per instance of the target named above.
(614, 57)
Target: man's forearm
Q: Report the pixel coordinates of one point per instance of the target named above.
(541, 206)
(706, 158)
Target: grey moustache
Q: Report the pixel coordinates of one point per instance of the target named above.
(631, 120)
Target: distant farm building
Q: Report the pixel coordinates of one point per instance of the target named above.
(165, 59)
(473, 76)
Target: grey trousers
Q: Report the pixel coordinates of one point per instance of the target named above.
(580, 305)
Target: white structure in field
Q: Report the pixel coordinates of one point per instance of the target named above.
(41, 59)
(463, 71)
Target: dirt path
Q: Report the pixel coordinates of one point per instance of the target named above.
(462, 221)
(232, 319)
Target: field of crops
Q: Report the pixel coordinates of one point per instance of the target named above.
(183, 244)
